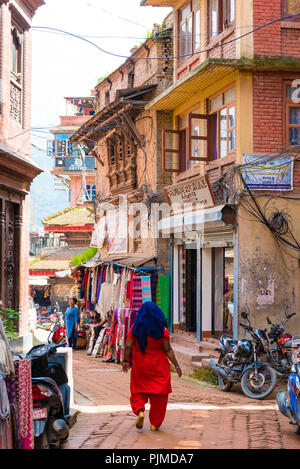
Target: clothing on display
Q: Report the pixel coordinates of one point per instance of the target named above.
(116, 293)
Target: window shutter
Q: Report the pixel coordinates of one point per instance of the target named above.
(199, 133)
(171, 160)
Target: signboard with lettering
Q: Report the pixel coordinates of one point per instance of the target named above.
(268, 173)
(76, 164)
(196, 190)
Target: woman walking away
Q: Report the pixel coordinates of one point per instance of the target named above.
(149, 342)
(71, 323)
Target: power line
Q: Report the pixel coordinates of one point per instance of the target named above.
(269, 23)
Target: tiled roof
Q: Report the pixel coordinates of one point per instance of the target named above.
(72, 216)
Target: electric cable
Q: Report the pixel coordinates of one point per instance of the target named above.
(269, 23)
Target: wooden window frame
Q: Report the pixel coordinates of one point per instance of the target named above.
(223, 20)
(191, 137)
(191, 16)
(169, 150)
(288, 103)
(285, 11)
(111, 144)
(217, 111)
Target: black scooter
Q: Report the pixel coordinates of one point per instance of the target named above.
(51, 397)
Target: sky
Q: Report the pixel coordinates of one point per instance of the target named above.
(66, 66)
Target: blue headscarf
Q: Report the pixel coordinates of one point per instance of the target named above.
(149, 322)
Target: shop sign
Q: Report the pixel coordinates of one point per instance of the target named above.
(76, 164)
(265, 173)
(196, 190)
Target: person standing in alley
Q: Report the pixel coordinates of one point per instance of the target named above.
(149, 342)
(71, 323)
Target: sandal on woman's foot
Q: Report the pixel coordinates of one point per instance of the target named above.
(153, 428)
(140, 420)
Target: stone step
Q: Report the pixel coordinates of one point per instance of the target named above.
(185, 342)
(211, 340)
(189, 353)
(203, 363)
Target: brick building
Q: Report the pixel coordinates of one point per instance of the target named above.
(234, 100)
(17, 170)
(124, 137)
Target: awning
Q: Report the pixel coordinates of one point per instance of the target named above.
(125, 260)
(63, 274)
(38, 281)
(207, 219)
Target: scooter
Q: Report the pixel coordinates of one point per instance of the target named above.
(289, 404)
(51, 398)
(57, 332)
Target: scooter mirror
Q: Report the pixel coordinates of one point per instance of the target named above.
(244, 315)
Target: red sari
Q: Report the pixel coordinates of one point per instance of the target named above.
(150, 378)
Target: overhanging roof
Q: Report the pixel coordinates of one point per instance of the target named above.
(210, 71)
(130, 99)
(17, 162)
(159, 3)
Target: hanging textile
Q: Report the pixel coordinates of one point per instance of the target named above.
(5, 429)
(137, 295)
(25, 404)
(98, 343)
(163, 295)
(146, 288)
(154, 278)
(12, 391)
(6, 361)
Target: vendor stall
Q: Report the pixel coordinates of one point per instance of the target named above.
(115, 289)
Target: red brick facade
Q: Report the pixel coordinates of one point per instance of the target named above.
(16, 169)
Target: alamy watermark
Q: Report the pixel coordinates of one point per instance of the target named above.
(143, 221)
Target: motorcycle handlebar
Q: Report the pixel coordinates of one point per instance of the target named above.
(291, 315)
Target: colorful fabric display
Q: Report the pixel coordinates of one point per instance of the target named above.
(163, 295)
(25, 404)
(146, 288)
(137, 295)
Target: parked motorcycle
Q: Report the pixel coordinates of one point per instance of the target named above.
(289, 404)
(240, 361)
(281, 356)
(57, 331)
(51, 398)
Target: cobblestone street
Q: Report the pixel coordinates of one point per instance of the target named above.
(198, 417)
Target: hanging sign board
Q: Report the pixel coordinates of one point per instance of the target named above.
(265, 173)
(196, 190)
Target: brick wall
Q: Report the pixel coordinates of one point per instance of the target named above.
(281, 39)
(16, 135)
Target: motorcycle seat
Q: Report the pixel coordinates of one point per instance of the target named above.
(228, 342)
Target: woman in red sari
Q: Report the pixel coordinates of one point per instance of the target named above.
(149, 342)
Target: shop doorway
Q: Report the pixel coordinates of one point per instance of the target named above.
(222, 291)
(187, 289)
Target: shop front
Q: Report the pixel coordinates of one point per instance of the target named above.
(204, 278)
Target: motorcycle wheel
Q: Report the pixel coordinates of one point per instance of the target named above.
(224, 385)
(296, 429)
(42, 441)
(260, 387)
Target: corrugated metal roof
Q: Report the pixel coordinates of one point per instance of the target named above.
(196, 80)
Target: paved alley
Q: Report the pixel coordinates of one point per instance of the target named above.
(198, 417)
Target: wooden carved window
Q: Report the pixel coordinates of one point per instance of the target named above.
(291, 7)
(16, 94)
(189, 26)
(111, 152)
(222, 15)
(292, 113)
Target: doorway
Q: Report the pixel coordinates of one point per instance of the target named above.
(187, 289)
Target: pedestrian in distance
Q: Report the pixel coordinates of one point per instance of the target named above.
(71, 323)
(149, 342)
